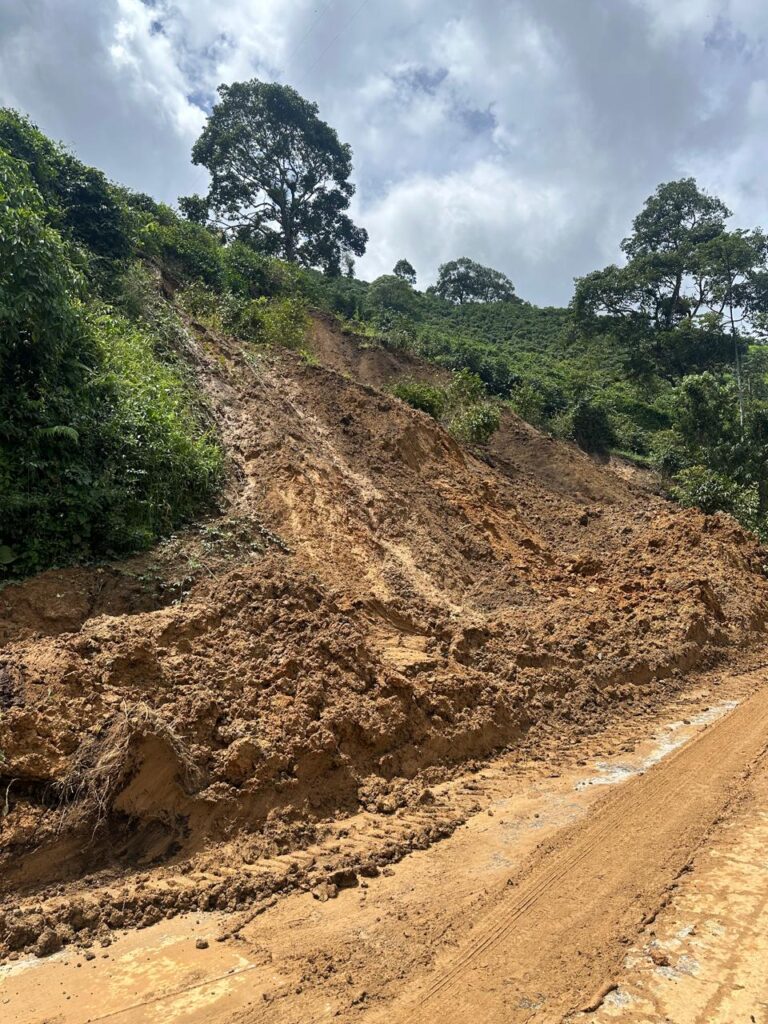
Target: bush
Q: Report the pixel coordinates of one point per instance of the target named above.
(465, 388)
(160, 466)
(430, 398)
(629, 437)
(476, 423)
(189, 251)
(282, 322)
(391, 294)
(251, 274)
(461, 406)
(668, 453)
(203, 303)
(79, 200)
(591, 428)
(703, 488)
(530, 403)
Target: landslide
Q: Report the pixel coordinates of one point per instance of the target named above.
(374, 601)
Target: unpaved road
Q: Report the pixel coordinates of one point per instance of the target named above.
(554, 941)
(444, 937)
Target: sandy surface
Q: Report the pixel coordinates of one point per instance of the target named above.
(591, 850)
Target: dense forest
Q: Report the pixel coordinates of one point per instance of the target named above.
(106, 444)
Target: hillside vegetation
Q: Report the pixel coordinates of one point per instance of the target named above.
(106, 443)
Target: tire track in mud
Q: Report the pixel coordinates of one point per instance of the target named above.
(547, 947)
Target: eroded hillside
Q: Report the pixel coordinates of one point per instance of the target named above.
(374, 603)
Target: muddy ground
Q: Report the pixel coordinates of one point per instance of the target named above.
(375, 611)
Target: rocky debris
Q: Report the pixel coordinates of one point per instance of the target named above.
(325, 891)
(659, 957)
(48, 942)
(409, 608)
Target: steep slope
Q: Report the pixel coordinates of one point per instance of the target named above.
(374, 600)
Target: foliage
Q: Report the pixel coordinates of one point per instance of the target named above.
(160, 464)
(77, 200)
(704, 488)
(100, 449)
(188, 251)
(590, 427)
(252, 274)
(689, 286)
(476, 423)
(390, 294)
(462, 405)
(406, 271)
(281, 321)
(430, 398)
(279, 176)
(463, 280)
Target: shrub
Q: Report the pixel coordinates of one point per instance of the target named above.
(202, 302)
(529, 402)
(251, 274)
(160, 465)
(465, 388)
(712, 492)
(282, 322)
(461, 406)
(79, 201)
(430, 398)
(391, 294)
(100, 448)
(476, 423)
(590, 427)
(189, 251)
(668, 453)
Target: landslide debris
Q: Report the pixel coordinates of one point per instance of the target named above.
(373, 601)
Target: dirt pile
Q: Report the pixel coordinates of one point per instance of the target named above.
(374, 601)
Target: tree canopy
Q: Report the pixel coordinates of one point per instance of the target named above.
(463, 280)
(279, 176)
(689, 288)
(405, 270)
(79, 200)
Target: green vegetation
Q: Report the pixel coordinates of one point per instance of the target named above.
(463, 280)
(103, 439)
(279, 176)
(462, 406)
(102, 448)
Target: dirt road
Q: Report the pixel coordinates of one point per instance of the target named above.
(553, 942)
(443, 936)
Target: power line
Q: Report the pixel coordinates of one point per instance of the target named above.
(319, 12)
(338, 35)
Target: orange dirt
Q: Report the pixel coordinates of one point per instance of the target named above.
(375, 607)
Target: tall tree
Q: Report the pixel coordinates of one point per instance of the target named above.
(279, 176)
(405, 270)
(463, 280)
(690, 289)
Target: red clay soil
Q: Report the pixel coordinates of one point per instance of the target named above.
(374, 602)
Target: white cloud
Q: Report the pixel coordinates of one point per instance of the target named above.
(525, 134)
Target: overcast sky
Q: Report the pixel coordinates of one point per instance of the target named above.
(522, 133)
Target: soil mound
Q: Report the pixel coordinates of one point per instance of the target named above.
(374, 601)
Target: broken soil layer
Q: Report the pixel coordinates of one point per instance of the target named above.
(308, 957)
(375, 604)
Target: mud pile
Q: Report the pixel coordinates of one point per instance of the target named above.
(374, 601)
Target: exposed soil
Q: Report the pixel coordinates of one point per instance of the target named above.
(375, 609)
(369, 951)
